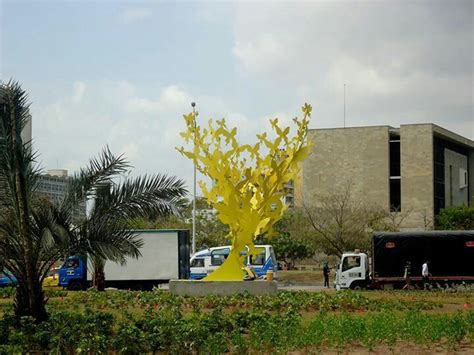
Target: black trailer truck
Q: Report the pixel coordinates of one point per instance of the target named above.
(450, 255)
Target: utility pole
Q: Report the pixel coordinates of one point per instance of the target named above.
(193, 247)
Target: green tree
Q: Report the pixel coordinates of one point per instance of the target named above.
(210, 231)
(289, 249)
(34, 232)
(117, 206)
(457, 218)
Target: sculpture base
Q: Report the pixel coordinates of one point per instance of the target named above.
(204, 288)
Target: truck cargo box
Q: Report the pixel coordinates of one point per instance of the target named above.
(164, 256)
(450, 253)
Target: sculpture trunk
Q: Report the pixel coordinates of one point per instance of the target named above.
(230, 270)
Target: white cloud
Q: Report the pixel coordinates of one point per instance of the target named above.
(68, 135)
(262, 53)
(402, 62)
(171, 98)
(144, 128)
(133, 15)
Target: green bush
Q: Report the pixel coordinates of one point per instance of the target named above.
(7, 292)
(456, 218)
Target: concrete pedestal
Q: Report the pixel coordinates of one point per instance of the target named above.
(204, 288)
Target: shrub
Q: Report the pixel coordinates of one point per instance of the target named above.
(461, 217)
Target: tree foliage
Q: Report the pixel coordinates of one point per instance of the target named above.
(35, 233)
(115, 208)
(295, 240)
(457, 218)
(289, 249)
(210, 231)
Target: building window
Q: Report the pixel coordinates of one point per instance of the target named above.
(395, 195)
(395, 174)
(394, 158)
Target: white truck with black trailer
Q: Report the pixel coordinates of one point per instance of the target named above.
(450, 255)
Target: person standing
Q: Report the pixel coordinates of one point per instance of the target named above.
(425, 274)
(326, 271)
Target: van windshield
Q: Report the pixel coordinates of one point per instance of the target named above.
(218, 256)
(198, 262)
(260, 258)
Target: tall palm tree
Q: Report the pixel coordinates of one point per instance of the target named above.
(34, 232)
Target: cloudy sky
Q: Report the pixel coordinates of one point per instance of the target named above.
(123, 73)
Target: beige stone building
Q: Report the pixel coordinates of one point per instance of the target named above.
(416, 169)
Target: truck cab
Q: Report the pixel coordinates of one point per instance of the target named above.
(206, 261)
(352, 272)
(73, 273)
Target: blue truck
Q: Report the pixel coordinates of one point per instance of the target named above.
(165, 256)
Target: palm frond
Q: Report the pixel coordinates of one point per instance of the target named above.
(18, 176)
(101, 170)
(112, 240)
(145, 196)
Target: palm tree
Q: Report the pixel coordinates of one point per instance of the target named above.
(117, 206)
(34, 233)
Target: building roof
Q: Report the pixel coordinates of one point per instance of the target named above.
(437, 130)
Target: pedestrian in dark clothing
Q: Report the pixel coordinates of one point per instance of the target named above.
(326, 271)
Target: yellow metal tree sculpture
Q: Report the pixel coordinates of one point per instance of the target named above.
(247, 180)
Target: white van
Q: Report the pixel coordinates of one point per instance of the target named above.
(206, 261)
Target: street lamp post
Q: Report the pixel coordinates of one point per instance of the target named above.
(193, 248)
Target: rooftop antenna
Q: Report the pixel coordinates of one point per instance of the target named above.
(344, 105)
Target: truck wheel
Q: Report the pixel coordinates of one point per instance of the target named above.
(75, 286)
(357, 286)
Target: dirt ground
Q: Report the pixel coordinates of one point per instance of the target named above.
(399, 348)
(302, 277)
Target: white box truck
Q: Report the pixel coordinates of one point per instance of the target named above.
(164, 256)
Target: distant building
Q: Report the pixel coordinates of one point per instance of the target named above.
(54, 185)
(417, 168)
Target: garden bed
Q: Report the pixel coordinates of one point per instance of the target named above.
(299, 322)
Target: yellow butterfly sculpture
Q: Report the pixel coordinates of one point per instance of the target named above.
(247, 180)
